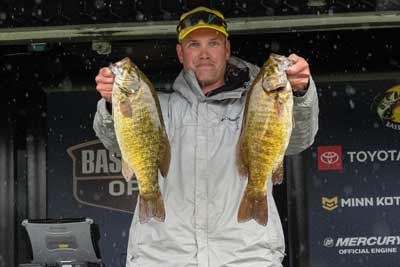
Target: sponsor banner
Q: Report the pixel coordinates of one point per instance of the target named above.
(387, 107)
(353, 188)
(332, 157)
(356, 245)
(332, 203)
(83, 178)
(97, 179)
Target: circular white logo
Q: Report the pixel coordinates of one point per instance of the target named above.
(329, 242)
(329, 157)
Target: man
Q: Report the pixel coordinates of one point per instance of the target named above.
(203, 189)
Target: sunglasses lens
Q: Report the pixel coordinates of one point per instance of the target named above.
(196, 18)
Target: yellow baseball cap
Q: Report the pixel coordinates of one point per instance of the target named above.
(201, 17)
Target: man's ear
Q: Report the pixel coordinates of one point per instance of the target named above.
(179, 52)
(228, 49)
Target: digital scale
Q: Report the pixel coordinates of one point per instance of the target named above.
(62, 243)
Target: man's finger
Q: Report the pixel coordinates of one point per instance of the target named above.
(293, 57)
(300, 67)
(102, 79)
(106, 72)
(104, 87)
(299, 76)
(300, 64)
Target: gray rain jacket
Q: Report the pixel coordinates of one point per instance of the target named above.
(203, 189)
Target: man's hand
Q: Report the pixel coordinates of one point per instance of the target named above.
(299, 73)
(105, 81)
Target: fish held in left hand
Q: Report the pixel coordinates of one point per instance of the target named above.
(141, 135)
(266, 130)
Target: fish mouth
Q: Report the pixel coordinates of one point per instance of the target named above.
(117, 67)
(278, 88)
(121, 62)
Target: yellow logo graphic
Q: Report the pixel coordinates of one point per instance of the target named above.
(387, 107)
(330, 203)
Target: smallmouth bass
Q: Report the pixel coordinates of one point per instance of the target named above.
(141, 135)
(266, 130)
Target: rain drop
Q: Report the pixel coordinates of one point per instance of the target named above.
(99, 4)
(139, 16)
(96, 196)
(350, 90)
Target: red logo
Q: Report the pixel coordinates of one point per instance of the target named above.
(330, 158)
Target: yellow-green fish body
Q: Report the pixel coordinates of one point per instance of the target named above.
(141, 135)
(266, 130)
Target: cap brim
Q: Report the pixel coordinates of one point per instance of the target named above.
(217, 28)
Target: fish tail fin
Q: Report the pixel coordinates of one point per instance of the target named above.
(253, 208)
(151, 208)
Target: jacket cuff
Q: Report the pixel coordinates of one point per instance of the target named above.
(104, 112)
(308, 96)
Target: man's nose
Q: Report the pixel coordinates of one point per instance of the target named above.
(204, 53)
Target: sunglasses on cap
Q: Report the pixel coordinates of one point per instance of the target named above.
(201, 17)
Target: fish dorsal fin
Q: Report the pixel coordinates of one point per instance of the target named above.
(127, 171)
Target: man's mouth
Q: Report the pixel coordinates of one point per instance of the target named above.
(205, 65)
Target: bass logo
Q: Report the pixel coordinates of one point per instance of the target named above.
(97, 178)
(387, 107)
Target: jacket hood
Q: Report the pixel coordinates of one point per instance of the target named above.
(187, 85)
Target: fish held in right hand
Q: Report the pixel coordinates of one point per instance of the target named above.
(141, 135)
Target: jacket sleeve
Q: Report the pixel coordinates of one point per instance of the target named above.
(103, 126)
(305, 110)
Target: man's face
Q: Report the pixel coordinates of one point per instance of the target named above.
(205, 52)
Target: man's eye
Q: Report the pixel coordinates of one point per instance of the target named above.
(214, 43)
(193, 44)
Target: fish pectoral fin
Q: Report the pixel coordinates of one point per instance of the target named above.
(127, 171)
(253, 208)
(279, 108)
(125, 108)
(151, 208)
(164, 157)
(278, 173)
